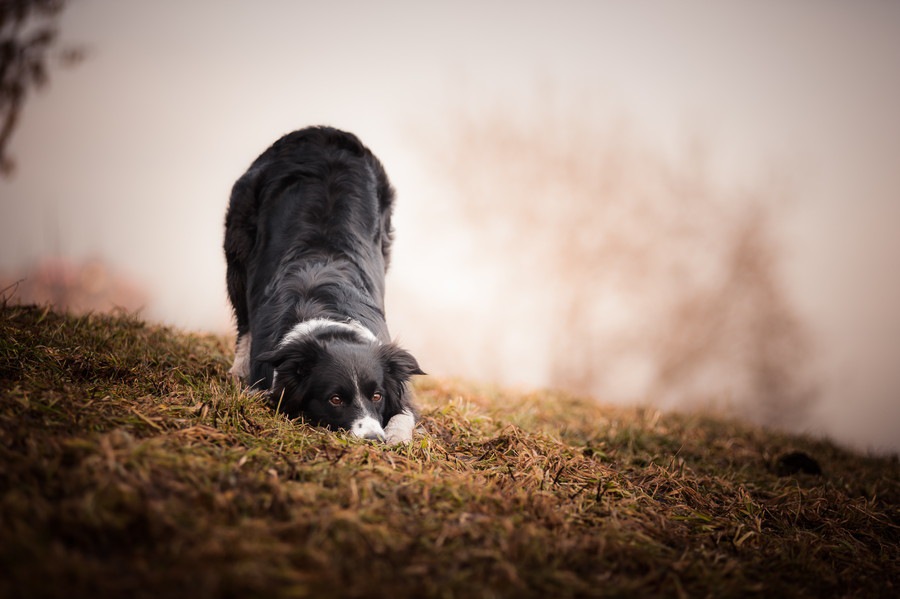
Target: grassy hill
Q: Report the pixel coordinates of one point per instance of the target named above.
(131, 466)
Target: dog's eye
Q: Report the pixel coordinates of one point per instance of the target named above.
(376, 397)
(335, 400)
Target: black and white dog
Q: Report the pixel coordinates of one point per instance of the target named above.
(307, 241)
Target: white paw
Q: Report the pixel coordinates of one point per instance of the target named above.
(399, 429)
(240, 370)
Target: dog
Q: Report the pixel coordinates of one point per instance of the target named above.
(307, 244)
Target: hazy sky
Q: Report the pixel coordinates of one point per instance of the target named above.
(131, 155)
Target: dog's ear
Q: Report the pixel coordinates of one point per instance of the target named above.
(398, 362)
(303, 356)
(273, 357)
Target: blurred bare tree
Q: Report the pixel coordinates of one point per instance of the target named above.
(28, 30)
(655, 284)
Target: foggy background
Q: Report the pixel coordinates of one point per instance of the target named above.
(687, 205)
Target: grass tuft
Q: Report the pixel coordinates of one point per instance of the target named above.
(131, 465)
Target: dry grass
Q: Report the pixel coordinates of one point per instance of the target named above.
(131, 467)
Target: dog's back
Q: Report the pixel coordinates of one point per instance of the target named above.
(310, 191)
(308, 225)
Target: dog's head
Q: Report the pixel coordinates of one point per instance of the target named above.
(341, 383)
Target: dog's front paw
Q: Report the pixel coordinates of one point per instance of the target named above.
(399, 429)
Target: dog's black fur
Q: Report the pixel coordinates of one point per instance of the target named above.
(307, 240)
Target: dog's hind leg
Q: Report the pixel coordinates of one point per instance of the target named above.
(240, 237)
(240, 370)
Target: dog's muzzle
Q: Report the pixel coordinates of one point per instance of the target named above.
(368, 428)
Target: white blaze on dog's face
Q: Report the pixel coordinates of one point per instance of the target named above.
(342, 383)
